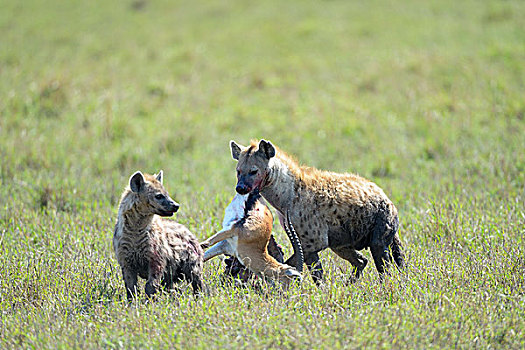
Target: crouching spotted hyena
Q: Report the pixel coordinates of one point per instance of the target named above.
(343, 212)
(159, 250)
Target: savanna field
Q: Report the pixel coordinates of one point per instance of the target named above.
(427, 99)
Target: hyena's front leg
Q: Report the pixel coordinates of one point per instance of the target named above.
(315, 267)
(130, 282)
(357, 260)
(156, 268)
(151, 287)
(167, 278)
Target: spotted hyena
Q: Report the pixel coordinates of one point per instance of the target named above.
(343, 212)
(159, 250)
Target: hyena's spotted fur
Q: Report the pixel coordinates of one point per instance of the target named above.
(159, 250)
(343, 212)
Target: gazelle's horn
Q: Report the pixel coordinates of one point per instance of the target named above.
(296, 244)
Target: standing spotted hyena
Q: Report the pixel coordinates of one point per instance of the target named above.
(343, 212)
(159, 250)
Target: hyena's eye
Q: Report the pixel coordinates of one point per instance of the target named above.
(253, 172)
(159, 196)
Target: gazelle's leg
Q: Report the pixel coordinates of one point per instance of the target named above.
(219, 236)
(223, 247)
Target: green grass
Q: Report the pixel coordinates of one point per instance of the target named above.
(424, 98)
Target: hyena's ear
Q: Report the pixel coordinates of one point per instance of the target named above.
(160, 176)
(267, 148)
(136, 182)
(236, 149)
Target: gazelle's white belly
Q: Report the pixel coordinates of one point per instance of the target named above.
(233, 213)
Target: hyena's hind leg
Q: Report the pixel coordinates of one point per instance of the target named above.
(395, 247)
(397, 252)
(169, 278)
(381, 255)
(385, 245)
(355, 258)
(192, 274)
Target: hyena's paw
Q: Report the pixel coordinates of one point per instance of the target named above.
(150, 289)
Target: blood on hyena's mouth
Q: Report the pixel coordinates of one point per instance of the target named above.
(243, 190)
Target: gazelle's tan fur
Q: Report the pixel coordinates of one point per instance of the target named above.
(248, 240)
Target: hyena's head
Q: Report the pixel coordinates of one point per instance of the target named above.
(253, 164)
(152, 196)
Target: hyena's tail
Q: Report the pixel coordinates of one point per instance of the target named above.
(397, 253)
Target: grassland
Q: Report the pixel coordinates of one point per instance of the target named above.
(424, 98)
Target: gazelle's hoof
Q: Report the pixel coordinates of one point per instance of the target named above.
(293, 274)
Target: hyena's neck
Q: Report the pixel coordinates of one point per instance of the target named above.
(279, 187)
(131, 219)
(134, 221)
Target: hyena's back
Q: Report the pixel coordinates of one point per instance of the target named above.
(350, 206)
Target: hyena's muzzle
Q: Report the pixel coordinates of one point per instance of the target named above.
(168, 207)
(244, 186)
(248, 183)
